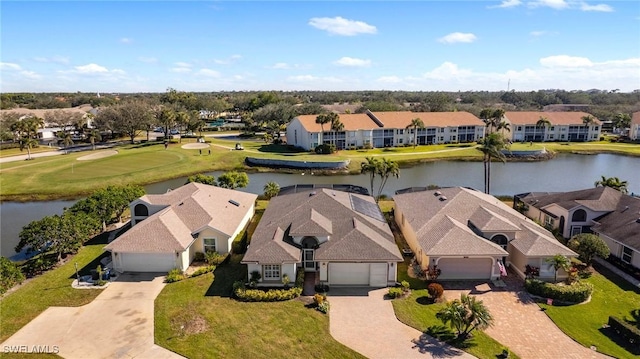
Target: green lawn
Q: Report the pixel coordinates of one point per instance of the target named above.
(16, 151)
(583, 323)
(197, 319)
(53, 288)
(628, 149)
(411, 312)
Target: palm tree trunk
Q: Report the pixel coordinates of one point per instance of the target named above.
(489, 175)
(415, 137)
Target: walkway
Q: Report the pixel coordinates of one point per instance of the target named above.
(520, 324)
(364, 321)
(117, 324)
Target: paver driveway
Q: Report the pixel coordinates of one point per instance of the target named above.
(117, 324)
(521, 325)
(365, 322)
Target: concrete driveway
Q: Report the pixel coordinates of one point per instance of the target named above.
(365, 322)
(117, 324)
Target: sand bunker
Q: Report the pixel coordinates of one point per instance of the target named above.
(195, 146)
(97, 155)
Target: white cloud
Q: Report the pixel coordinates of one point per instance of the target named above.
(565, 61)
(91, 69)
(389, 79)
(31, 75)
(456, 37)
(126, 40)
(147, 60)
(183, 64)
(507, 4)
(9, 66)
(554, 4)
(57, 59)
(600, 7)
(209, 73)
(118, 72)
(229, 60)
(352, 62)
(341, 26)
(181, 67)
(313, 79)
(280, 66)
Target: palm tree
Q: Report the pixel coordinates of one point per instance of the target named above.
(370, 166)
(492, 118)
(542, 122)
(66, 139)
(491, 147)
(465, 315)
(386, 169)
(271, 189)
(182, 118)
(416, 123)
(588, 120)
(558, 261)
(94, 136)
(613, 182)
(323, 119)
(26, 133)
(336, 126)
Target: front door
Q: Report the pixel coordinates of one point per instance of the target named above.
(307, 259)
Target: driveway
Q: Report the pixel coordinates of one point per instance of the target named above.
(117, 324)
(520, 324)
(364, 321)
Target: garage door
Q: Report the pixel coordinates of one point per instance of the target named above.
(349, 273)
(378, 275)
(465, 268)
(147, 262)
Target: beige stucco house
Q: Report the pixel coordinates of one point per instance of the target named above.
(339, 238)
(468, 235)
(168, 229)
(564, 126)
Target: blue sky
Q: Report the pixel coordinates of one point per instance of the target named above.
(101, 46)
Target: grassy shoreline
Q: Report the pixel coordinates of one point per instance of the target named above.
(64, 177)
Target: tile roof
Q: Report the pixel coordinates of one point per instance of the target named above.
(352, 235)
(441, 225)
(189, 209)
(556, 118)
(395, 119)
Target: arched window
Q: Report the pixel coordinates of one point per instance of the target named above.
(309, 242)
(140, 210)
(579, 216)
(501, 240)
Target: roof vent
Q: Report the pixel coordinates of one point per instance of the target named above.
(181, 203)
(638, 220)
(234, 203)
(312, 193)
(442, 198)
(625, 209)
(437, 193)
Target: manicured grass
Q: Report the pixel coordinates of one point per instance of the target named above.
(53, 288)
(16, 151)
(411, 312)
(583, 322)
(231, 329)
(628, 149)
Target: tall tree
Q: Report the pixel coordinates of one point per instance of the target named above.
(558, 262)
(543, 122)
(233, 180)
(322, 120)
(94, 136)
(613, 182)
(589, 246)
(336, 126)
(386, 168)
(26, 133)
(465, 315)
(271, 189)
(416, 123)
(166, 118)
(622, 120)
(588, 120)
(491, 147)
(66, 139)
(202, 178)
(370, 166)
(492, 118)
(182, 119)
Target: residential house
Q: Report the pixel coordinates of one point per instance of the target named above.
(340, 238)
(564, 126)
(612, 215)
(634, 131)
(471, 235)
(386, 129)
(168, 229)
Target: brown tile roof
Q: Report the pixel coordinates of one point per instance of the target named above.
(353, 235)
(445, 223)
(398, 119)
(189, 209)
(556, 118)
(623, 223)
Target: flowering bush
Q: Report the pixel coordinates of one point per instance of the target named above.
(531, 272)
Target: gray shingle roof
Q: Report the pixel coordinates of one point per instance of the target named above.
(441, 226)
(352, 235)
(190, 209)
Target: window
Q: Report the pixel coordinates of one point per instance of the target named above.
(210, 244)
(519, 128)
(579, 216)
(627, 253)
(271, 271)
(575, 230)
(295, 135)
(400, 140)
(548, 222)
(141, 210)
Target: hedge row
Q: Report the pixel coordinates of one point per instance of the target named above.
(575, 293)
(271, 295)
(626, 330)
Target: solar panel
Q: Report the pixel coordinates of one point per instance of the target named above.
(366, 208)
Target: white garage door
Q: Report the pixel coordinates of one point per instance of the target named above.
(349, 273)
(378, 275)
(465, 268)
(147, 262)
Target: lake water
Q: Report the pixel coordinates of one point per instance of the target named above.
(564, 173)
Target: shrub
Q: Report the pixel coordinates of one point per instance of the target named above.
(203, 270)
(199, 257)
(324, 307)
(272, 295)
(575, 293)
(10, 274)
(100, 282)
(286, 280)
(626, 330)
(174, 275)
(405, 286)
(214, 258)
(395, 292)
(318, 298)
(435, 291)
(239, 244)
(325, 149)
(300, 278)
(38, 264)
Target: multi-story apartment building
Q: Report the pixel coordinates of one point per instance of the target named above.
(563, 126)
